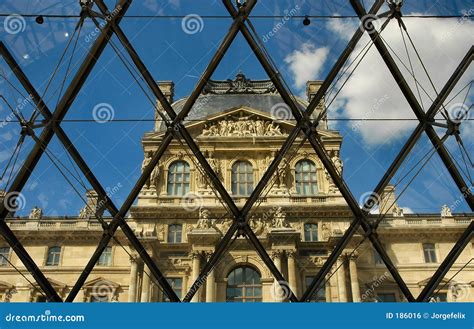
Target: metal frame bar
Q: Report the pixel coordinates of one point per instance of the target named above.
(177, 130)
(415, 106)
(174, 128)
(425, 119)
(397, 162)
(47, 134)
(71, 149)
(304, 124)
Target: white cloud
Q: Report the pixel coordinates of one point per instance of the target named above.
(371, 92)
(306, 64)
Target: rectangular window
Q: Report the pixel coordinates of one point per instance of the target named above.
(177, 285)
(105, 258)
(377, 259)
(4, 256)
(175, 232)
(429, 252)
(320, 295)
(386, 297)
(54, 255)
(311, 232)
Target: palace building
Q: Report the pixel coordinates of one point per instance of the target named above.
(239, 126)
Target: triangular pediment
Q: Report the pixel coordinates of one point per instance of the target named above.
(100, 282)
(244, 121)
(5, 285)
(55, 283)
(425, 282)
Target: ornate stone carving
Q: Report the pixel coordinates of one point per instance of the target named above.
(36, 213)
(154, 178)
(397, 211)
(242, 127)
(338, 164)
(205, 222)
(291, 254)
(202, 181)
(194, 254)
(240, 85)
(257, 225)
(325, 231)
(85, 212)
(446, 211)
(145, 163)
(279, 219)
(317, 260)
(278, 253)
(281, 174)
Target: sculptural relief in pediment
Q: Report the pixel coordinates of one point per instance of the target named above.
(242, 127)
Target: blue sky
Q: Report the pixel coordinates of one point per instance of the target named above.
(113, 149)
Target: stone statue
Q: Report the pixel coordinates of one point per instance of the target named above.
(257, 225)
(36, 213)
(201, 179)
(338, 164)
(84, 213)
(204, 222)
(397, 211)
(215, 164)
(279, 219)
(446, 211)
(325, 231)
(145, 163)
(155, 177)
(281, 174)
(273, 130)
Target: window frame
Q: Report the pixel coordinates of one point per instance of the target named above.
(173, 184)
(244, 286)
(311, 231)
(171, 282)
(59, 255)
(431, 252)
(301, 182)
(175, 235)
(5, 262)
(318, 298)
(235, 174)
(110, 257)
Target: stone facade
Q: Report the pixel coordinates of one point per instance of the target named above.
(179, 219)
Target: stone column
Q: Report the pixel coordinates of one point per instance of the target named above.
(195, 256)
(278, 291)
(145, 298)
(341, 280)
(210, 283)
(354, 279)
(132, 288)
(292, 272)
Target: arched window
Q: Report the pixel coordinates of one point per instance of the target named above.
(242, 178)
(178, 178)
(244, 285)
(305, 178)
(311, 232)
(175, 232)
